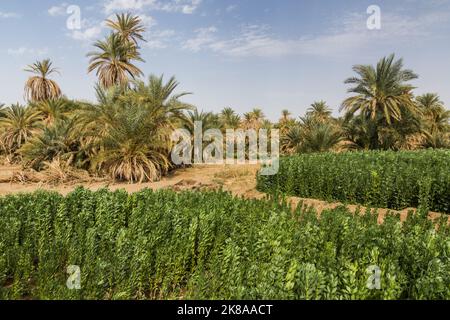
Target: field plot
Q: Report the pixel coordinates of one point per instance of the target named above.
(211, 245)
(394, 180)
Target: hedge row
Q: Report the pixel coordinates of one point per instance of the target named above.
(394, 180)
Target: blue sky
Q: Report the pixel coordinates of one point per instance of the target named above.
(244, 54)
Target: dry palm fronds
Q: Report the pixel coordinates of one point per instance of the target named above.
(58, 171)
(39, 87)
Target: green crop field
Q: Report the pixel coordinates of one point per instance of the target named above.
(382, 179)
(166, 245)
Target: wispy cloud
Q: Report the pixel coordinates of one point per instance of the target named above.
(87, 34)
(22, 51)
(59, 10)
(147, 21)
(159, 39)
(183, 6)
(231, 8)
(204, 37)
(344, 36)
(90, 29)
(9, 15)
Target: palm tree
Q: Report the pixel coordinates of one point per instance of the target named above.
(435, 115)
(135, 150)
(383, 96)
(436, 121)
(258, 114)
(128, 27)
(58, 140)
(320, 137)
(127, 134)
(286, 122)
(51, 110)
(229, 119)
(17, 126)
(162, 97)
(358, 131)
(291, 141)
(320, 111)
(429, 101)
(113, 61)
(206, 118)
(363, 133)
(253, 119)
(381, 92)
(40, 87)
(285, 115)
(266, 124)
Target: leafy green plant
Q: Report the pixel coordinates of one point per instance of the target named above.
(383, 179)
(167, 245)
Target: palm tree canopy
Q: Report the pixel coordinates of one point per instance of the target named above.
(229, 119)
(254, 119)
(320, 137)
(128, 26)
(113, 61)
(127, 133)
(42, 68)
(319, 110)
(429, 101)
(52, 110)
(285, 114)
(292, 140)
(40, 87)
(381, 91)
(436, 120)
(206, 118)
(17, 126)
(160, 95)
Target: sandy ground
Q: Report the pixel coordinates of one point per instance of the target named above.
(239, 180)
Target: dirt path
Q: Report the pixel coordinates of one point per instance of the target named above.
(239, 180)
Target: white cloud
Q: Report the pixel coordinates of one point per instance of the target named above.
(58, 10)
(147, 21)
(204, 37)
(231, 8)
(8, 15)
(183, 6)
(115, 5)
(86, 34)
(159, 39)
(347, 35)
(90, 30)
(21, 51)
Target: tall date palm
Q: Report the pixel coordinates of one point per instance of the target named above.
(381, 91)
(40, 87)
(113, 61)
(128, 27)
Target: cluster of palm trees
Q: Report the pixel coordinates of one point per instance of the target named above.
(126, 134)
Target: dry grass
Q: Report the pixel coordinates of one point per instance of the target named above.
(56, 172)
(234, 172)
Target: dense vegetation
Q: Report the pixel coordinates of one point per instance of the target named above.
(108, 138)
(383, 179)
(211, 245)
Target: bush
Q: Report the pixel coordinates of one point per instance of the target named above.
(166, 245)
(387, 179)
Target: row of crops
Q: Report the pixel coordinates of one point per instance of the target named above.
(167, 245)
(394, 180)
